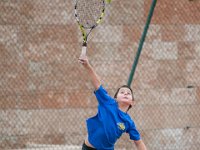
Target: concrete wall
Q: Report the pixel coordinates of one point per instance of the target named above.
(45, 95)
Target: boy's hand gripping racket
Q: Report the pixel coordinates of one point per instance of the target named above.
(89, 14)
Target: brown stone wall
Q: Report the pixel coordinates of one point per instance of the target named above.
(45, 95)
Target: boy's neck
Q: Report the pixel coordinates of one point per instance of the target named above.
(123, 108)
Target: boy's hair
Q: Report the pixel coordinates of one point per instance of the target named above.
(125, 86)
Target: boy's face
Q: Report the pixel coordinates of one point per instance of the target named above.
(125, 96)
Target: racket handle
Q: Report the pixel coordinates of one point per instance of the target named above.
(83, 51)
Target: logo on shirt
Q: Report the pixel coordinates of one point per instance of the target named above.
(121, 126)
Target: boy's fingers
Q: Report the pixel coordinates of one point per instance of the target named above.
(81, 61)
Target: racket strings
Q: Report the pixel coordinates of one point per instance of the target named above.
(89, 12)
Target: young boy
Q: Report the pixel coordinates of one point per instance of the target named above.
(112, 119)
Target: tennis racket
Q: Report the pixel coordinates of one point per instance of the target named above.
(88, 14)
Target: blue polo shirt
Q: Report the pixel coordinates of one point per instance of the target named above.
(109, 123)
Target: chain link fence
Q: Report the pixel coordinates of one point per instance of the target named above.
(46, 95)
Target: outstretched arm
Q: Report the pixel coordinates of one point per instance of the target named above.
(93, 75)
(140, 145)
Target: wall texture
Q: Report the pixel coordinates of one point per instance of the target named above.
(46, 95)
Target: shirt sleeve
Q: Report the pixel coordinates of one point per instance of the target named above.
(133, 132)
(103, 97)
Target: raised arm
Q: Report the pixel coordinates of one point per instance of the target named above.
(93, 75)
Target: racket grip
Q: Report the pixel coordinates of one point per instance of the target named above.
(83, 51)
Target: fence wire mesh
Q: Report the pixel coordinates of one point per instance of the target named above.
(46, 95)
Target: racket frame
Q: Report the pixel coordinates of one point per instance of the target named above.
(85, 30)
